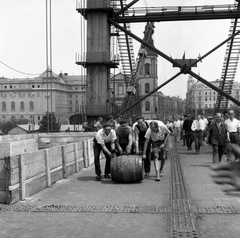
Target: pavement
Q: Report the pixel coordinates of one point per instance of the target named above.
(79, 206)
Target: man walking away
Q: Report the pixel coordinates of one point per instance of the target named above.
(188, 131)
(198, 128)
(218, 138)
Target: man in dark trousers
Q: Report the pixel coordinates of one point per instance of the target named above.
(218, 138)
(139, 129)
(188, 131)
(124, 142)
(104, 141)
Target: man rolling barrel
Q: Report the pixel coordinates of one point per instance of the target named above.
(139, 129)
(159, 136)
(104, 141)
(124, 142)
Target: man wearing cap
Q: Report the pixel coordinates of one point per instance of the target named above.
(139, 129)
(124, 142)
(104, 141)
(159, 136)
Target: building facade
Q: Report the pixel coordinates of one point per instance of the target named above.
(31, 98)
(170, 107)
(200, 98)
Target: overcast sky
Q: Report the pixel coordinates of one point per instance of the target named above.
(22, 41)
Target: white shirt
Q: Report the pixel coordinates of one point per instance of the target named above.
(205, 122)
(102, 138)
(198, 125)
(177, 123)
(155, 136)
(232, 126)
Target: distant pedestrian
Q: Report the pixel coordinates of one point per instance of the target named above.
(177, 124)
(159, 137)
(183, 131)
(218, 138)
(198, 127)
(111, 121)
(233, 128)
(205, 122)
(98, 124)
(188, 131)
(104, 141)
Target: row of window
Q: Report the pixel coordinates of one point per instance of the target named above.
(21, 105)
(20, 86)
(20, 94)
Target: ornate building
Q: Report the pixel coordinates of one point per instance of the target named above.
(200, 98)
(31, 98)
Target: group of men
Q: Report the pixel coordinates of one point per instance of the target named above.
(146, 138)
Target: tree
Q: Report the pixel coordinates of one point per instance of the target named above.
(7, 126)
(49, 123)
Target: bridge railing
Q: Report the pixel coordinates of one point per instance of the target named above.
(179, 9)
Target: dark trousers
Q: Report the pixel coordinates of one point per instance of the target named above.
(97, 148)
(218, 151)
(147, 161)
(198, 138)
(234, 138)
(189, 139)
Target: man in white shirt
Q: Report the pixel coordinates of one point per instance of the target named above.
(233, 130)
(104, 141)
(205, 122)
(159, 137)
(177, 125)
(198, 126)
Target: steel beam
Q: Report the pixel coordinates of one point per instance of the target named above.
(184, 69)
(179, 16)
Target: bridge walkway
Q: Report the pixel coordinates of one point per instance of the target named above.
(185, 203)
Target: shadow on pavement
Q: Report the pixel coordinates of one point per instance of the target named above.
(86, 178)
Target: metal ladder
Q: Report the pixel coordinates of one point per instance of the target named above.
(230, 65)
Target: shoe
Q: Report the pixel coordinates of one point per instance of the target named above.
(157, 179)
(161, 173)
(106, 176)
(147, 174)
(188, 149)
(98, 177)
(183, 145)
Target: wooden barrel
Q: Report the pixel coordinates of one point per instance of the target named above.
(127, 168)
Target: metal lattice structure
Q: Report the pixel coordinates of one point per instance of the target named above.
(230, 65)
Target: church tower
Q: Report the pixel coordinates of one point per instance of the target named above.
(148, 81)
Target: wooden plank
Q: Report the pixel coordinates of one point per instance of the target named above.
(2, 167)
(3, 184)
(55, 161)
(35, 186)
(57, 175)
(34, 169)
(33, 157)
(70, 169)
(14, 161)
(22, 178)
(14, 176)
(47, 168)
(3, 197)
(69, 157)
(13, 196)
(55, 151)
(76, 157)
(64, 162)
(69, 148)
(80, 145)
(85, 154)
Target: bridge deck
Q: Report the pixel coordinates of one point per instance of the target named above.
(185, 203)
